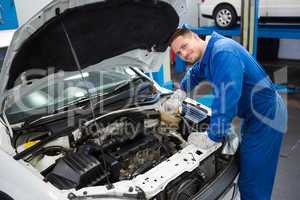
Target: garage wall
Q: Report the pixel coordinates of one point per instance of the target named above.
(8, 19)
(289, 49)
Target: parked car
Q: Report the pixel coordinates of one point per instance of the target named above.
(80, 120)
(226, 13)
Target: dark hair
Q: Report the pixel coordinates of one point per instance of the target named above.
(179, 32)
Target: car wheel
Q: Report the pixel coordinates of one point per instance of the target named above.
(4, 196)
(225, 16)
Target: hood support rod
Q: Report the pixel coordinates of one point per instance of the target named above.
(109, 186)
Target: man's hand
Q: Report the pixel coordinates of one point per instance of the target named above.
(174, 102)
(200, 140)
(231, 143)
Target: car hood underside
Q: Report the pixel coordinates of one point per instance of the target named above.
(96, 30)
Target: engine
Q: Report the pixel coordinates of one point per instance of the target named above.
(122, 146)
(114, 148)
(119, 147)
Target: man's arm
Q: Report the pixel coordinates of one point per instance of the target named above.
(227, 73)
(192, 78)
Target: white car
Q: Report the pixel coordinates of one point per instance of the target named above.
(226, 13)
(80, 120)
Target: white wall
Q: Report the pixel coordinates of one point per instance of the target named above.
(289, 49)
(27, 8)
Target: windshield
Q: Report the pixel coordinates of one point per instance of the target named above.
(53, 93)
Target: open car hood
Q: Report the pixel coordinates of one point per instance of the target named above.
(97, 30)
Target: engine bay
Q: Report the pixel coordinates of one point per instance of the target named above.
(126, 146)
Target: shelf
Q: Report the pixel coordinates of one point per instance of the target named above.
(208, 30)
(264, 31)
(279, 31)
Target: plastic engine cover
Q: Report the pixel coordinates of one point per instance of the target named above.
(76, 170)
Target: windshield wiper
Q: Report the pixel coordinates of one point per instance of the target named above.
(120, 86)
(76, 102)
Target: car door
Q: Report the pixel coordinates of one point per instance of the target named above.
(287, 8)
(263, 5)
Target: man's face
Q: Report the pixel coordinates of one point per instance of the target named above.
(188, 47)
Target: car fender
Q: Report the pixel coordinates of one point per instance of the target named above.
(19, 181)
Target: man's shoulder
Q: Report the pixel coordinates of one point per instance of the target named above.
(225, 45)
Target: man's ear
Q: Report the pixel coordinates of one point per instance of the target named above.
(195, 36)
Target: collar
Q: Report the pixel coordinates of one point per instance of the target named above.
(207, 40)
(207, 52)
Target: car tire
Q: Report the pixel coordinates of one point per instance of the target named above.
(225, 16)
(4, 196)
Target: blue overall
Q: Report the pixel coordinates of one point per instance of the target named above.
(243, 89)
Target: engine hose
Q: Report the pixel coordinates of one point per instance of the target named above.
(175, 135)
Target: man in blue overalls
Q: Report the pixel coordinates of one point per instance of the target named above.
(243, 89)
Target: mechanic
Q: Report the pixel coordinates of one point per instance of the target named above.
(243, 89)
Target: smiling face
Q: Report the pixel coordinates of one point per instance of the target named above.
(189, 47)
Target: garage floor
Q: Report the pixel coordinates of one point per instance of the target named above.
(287, 182)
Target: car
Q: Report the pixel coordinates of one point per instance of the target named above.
(81, 120)
(226, 13)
